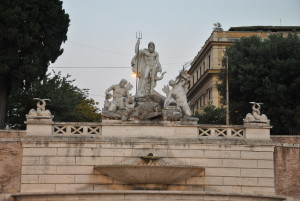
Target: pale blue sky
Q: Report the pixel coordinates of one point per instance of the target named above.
(102, 33)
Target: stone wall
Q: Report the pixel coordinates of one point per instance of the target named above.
(287, 165)
(56, 164)
(229, 165)
(10, 162)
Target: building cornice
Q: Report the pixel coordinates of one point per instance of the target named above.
(210, 42)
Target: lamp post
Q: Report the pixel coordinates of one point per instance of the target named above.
(227, 92)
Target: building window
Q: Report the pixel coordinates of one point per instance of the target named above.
(209, 96)
(200, 70)
(209, 62)
(201, 100)
(193, 80)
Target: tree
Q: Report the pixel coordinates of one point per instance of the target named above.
(88, 111)
(67, 102)
(217, 26)
(211, 115)
(266, 71)
(31, 33)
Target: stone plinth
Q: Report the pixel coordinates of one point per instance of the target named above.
(257, 130)
(39, 126)
(186, 128)
(163, 129)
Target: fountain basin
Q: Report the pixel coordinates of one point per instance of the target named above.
(149, 176)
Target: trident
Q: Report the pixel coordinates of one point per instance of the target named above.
(138, 36)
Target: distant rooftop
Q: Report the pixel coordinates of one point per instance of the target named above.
(266, 28)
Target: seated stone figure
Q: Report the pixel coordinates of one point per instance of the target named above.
(120, 92)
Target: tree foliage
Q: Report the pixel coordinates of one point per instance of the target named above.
(31, 33)
(67, 102)
(266, 71)
(211, 115)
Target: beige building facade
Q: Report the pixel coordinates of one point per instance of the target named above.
(208, 62)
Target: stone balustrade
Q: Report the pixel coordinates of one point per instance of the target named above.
(163, 129)
(221, 131)
(82, 128)
(76, 128)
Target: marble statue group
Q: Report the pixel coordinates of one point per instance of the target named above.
(40, 113)
(148, 104)
(255, 116)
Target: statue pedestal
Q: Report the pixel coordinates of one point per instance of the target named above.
(257, 130)
(165, 129)
(39, 126)
(257, 126)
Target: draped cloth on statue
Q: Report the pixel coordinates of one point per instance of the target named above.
(138, 64)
